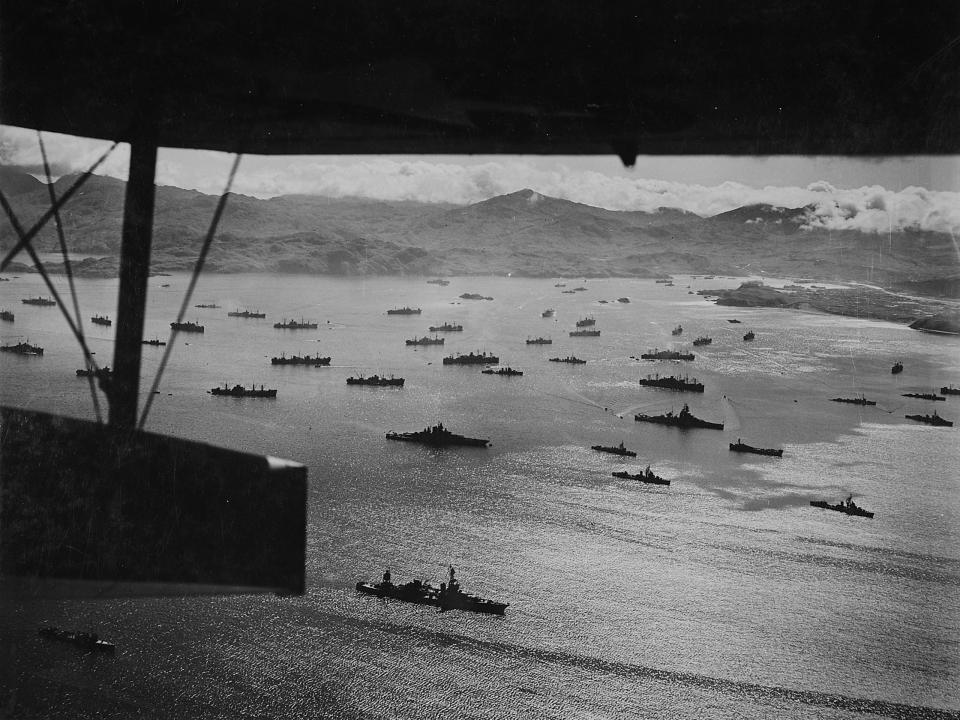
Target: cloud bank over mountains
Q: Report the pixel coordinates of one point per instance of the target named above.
(871, 209)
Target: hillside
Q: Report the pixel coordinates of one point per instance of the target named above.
(524, 233)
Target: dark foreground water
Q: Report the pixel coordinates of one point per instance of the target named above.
(724, 595)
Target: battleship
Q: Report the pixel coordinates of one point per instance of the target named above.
(448, 596)
(509, 371)
(569, 359)
(247, 314)
(647, 476)
(99, 372)
(156, 341)
(923, 396)
(897, 368)
(376, 381)
(847, 506)
(22, 348)
(404, 311)
(949, 390)
(548, 313)
(211, 306)
(678, 330)
(683, 384)
(298, 360)
(614, 450)
(684, 419)
(749, 336)
(539, 341)
(437, 436)
(744, 448)
(439, 281)
(294, 325)
(43, 302)
(584, 333)
(241, 391)
(187, 327)
(586, 322)
(101, 320)
(426, 341)
(472, 359)
(657, 354)
(854, 401)
(86, 641)
(703, 341)
(6, 315)
(931, 419)
(446, 327)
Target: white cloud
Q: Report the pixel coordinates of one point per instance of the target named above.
(869, 209)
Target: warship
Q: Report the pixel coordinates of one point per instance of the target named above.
(624, 300)
(923, 396)
(684, 419)
(298, 360)
(241, 391)
(847, 506)
(735, 322)
(474, 296)
(437, 436)
(662, 281)
(539, 341)
(211, 306)
(586, 322)
(446, 327)
(647, 476)
(187, 327)
(472, 359)
(683, 384)
(678, 330)
(43, 302)
(6, 315)
(101, 320)
(509, 371)
(560, 285)
(247, 314)
(744, 448)
(897, 368)
(584, 333)
(569, 359)
(548, 313)
(949, 390)
(657, 354)
(439, 281)
(614, 450)
(703, 341)
(931, 419)
(376, 381)
(99, 372)
(294, 325)
(749, 336)
(156, 341)
(426, 341)
(568, 292)
(854, 401)
(86, 641)
(404, 311)
(448, 596)
(22, 348)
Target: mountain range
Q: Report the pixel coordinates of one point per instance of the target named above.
(523, 233)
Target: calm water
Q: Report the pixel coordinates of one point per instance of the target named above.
(724, 595)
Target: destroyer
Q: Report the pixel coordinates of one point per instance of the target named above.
(647, 476)
(923, 396)
(448, 596)
(376, 381)
(847, 506)
(657, 354)
(683, 384)
(569, 359)
(614, 450)
(294, 325)
(404, 311)
(101, 320)
(683, 419)
(472, 359)
(931, 419)
(241, 391)
(744, 448)
(426, 341)
(539, 341)
(43, 302)
(446, 327)
(854, 401)
(298, 360)
(437, 436)
(188, 326)
(508, 371)
(87, 641)
(22, 348)
(584, 333)
(247, 314)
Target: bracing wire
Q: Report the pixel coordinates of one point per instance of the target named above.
(204, 249)
(91, 377)
(27, 237)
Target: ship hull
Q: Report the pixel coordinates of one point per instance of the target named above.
(855, 512)
(741, 448)
(426, 594)
(648, 479)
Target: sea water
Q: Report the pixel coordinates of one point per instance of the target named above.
(722, 595)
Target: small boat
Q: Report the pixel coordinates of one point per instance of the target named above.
(749, 336)
(295, 325)
(190, 327)
(99, 372)
(703, 341)
(949, 390)
(897, 368)
(647, 476)
(569, 359)
(744, 448)
(446, 327)
(376, 381)
(404, 311)
(22, 348)
(539, 341)
(931, 419)
(586, 322)
(156, 342)
(87, 641)
(426, 341)
(101, 320)
(509, 371)
(678, 330)
(437, 436)
(42, 302)
(584, 333)
(6, 315)
(245, 313)
(241, 391)
(923, 396)
(684, 419)
(848, 506)
(549, 312)
(614, 450)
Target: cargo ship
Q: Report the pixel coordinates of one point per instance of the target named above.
(241, 391)
(298, 360)
(246, 313)
(295, 325)
(446, 327)
(426, 341)
(683, 384)
(101, 320)
(376, 381)
(472, 359)
(190, 327)
(657, 354)
(584, 333)
(404, 311)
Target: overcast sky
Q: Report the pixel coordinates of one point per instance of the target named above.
(876, 195)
